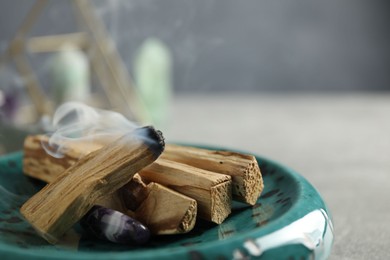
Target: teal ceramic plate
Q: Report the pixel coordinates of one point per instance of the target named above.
(289, 221)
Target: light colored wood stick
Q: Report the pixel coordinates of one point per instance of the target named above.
(163, 210)
(109, 56)
(28, 22)
(105, 79)
(15, 50)
(128, 198)
(211, 190)
(40, 165)
(133, 193)
(60, 204)
(244, 169)
(53, 43)
(34, 88)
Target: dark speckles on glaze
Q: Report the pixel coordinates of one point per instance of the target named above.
(195, 255)
(12, 164)
(257, 205)
(14, 220)
(191, 243)
(228, 232)
(261, 223)
(221, 257)
(270, 193)
(286, 202)
(256, 214)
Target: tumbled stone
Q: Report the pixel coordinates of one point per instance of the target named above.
(114, 226)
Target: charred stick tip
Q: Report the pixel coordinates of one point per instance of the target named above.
(153, 138)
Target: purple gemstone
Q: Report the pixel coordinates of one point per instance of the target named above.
(9, 104)
(114, 226)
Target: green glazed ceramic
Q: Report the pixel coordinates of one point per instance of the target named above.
(289, 221)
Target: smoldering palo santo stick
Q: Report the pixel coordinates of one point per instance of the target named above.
(63, 202)
(212, 191)
(247, 182)
(154, 198)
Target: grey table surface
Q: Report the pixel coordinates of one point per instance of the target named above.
(339, 142)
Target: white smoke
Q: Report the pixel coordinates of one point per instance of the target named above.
(75, 122)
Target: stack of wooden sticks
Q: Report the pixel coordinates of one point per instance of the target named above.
(165, 192)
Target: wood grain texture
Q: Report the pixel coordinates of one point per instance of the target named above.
(163, 210)
(244, 169)
(202, 185)
(61, 203)
(211, 190)
(40, 165)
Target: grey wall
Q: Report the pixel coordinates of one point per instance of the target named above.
(244, 45)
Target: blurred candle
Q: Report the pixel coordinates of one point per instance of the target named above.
(152, 73)
(70, 75)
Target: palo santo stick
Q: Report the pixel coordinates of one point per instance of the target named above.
(165, 211)
(42, 166)
(133, 193)
(54, 43)
(244, 169)
(212, 191)
(162, 210)
(181, 219)
(60, 204)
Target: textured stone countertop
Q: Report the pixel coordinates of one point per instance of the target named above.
(339, 142)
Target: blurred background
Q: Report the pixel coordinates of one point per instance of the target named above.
(221, 45)
(134, 56)
(303, 82)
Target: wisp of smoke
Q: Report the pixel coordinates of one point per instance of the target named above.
(9, 199)
(75, 122)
